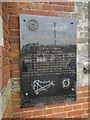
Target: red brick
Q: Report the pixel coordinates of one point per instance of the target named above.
(58, 8)
(71, 3)
(15, 74)
(51, 14)
(13, 4)
(5, 70)
(13, 19)
(14, 39)
(56, 105)
(58, 110)
(5, 61)
(47, 7)
(15, 96)
(36, 6)
(15, 102)
(14, 46)
(38, 12)
(14, 54)
(34, 108)
(76, 107)
(0, 51)
(5, 16)
(5, 52)
(37, 113)
(14, 25)
(68, 108)
(6, 44)
(27, 5)
(60, 115)
(5, 35)
(69, 9)
(5, 27)
(49, 116)
(48, 111)
(86, 116)
(26, 115)
(15, 60)
(61, 3)
(16, 115)
(15, 67)
(22, 5)
(0, 62)
(85, 94)
(75, 113)
(85, 105)
(13, 11)
(14, 32)
(17, 109)
(84, 88)
(0, 75)
(79, 95)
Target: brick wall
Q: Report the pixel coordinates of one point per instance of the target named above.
(5, 88)
(77, 109)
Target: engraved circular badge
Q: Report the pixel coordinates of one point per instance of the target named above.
(66, 83)
(32, 25)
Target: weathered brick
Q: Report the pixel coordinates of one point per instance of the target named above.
(5, 61)
(6, 45)
(51, 13)
(14, 32)
(48, 111)
(5, 79)
(21, 4)
(14, 46)
(13, 19)
(5, 70)
(14, 67)
(16, 115)
(14, 53)
(15, 74)
(58, 110)
(69, 9)
(14, 39)
(75, 113)
(61, 3)
(37, 6)
(58, 8)
(71, 3)
(68, 108)
(59, 115)
(85, 105)
(26, 115)
(13, 4)
(47, 7)
(14, 25)
(15, 95)
(76, 107)
(37, 113)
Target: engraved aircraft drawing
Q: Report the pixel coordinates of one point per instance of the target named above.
(39, 86)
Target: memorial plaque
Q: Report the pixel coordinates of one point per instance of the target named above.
(47, 60)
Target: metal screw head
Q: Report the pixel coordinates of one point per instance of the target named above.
(26, 94)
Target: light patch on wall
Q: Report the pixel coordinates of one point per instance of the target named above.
(1, 32)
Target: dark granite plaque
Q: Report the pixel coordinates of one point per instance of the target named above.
(47, 60)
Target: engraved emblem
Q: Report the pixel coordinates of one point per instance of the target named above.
(66, 83)
(32, 25)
